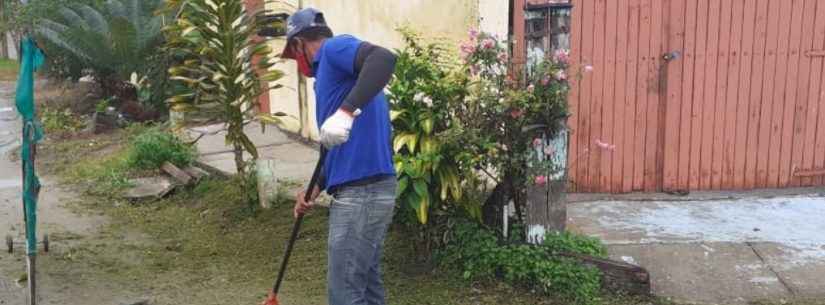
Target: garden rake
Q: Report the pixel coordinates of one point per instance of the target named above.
(272, 298)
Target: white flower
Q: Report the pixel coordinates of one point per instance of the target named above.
(428, 101)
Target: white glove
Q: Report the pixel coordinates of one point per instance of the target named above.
(335, 130)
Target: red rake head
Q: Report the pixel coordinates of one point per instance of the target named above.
(272, 299)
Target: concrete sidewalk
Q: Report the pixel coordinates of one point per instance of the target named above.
(718, 251)
(294, 160)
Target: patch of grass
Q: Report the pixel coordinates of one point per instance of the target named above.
(210, 249)
(8, 69)
(151, 148)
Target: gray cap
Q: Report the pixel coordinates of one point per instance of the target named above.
(300, 21)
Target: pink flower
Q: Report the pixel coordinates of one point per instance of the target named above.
(541, 180)
(502, 57)
(560, 75)
(549, 150)
(561, 56)
(531, 88)
(467, 49)
(605, 146)
(545, 81)
(488, 43)
(516, 113)
(473, 33)
(588, 68)
(537, 142)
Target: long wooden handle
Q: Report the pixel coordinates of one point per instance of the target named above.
(316, 175)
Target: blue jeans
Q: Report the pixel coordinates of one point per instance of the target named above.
(358, 221)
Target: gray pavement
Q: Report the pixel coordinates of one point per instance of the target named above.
(294, 161)
(716, 251)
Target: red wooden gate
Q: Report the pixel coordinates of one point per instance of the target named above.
(698, 94)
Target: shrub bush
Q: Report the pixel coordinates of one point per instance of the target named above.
(150, 149)
(479, 255)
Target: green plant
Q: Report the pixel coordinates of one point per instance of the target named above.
(220, 67)
(479, 254)
(113, 41)
(429, 162)
(56, 120)
(153, 147)
(101, 106)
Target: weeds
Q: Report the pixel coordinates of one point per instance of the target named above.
(60, 121)
(153, 147)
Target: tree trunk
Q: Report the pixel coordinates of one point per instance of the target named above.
(4, 42)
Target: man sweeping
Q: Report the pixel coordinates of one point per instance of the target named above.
(358, 172)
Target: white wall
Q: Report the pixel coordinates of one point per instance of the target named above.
(376, 21)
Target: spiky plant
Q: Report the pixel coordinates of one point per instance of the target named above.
(113, 41)
(222, 58)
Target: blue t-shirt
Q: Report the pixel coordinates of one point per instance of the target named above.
(368, 152)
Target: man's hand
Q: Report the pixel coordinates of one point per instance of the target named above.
(302, 206)
(335, 130)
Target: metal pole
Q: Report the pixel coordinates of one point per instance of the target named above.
(30, 268)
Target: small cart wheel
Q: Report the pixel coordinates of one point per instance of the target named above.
(9, 244)
(46, 243)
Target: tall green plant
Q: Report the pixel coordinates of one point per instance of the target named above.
(221, 60)
(428, 160)
(113, 41)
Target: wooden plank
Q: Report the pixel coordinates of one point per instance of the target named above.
(688, 60)
(622, 104)
(720, 103)
(805, 73)
(744, 93)
(764, 123)
(654, 151)
(709, 95)
(646, 76)
(178, 174)
(585, 118)
(676, 36)
(699, 102)
(608, 100)
(731, 97)
(573, 95)
(597, 102)
(789, 104)
(758, 73)
(777, 101)
(814, 97)
(631, 99)
(616, 275)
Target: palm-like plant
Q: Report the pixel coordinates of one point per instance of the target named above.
(222, 57)
(113, 41)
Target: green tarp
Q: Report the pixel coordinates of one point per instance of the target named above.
(30, 59)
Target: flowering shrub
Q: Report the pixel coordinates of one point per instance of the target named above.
(504, 114)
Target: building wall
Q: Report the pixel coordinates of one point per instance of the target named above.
(731, 99)
(376, 21)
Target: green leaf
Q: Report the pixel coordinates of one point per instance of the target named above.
(427, 125)
(395, 113)
(402, 184)
(421, 188)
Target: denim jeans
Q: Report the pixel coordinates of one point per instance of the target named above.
(358, 221)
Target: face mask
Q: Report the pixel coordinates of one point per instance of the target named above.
(303, 64)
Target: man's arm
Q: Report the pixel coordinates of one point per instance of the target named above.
(374, 66)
